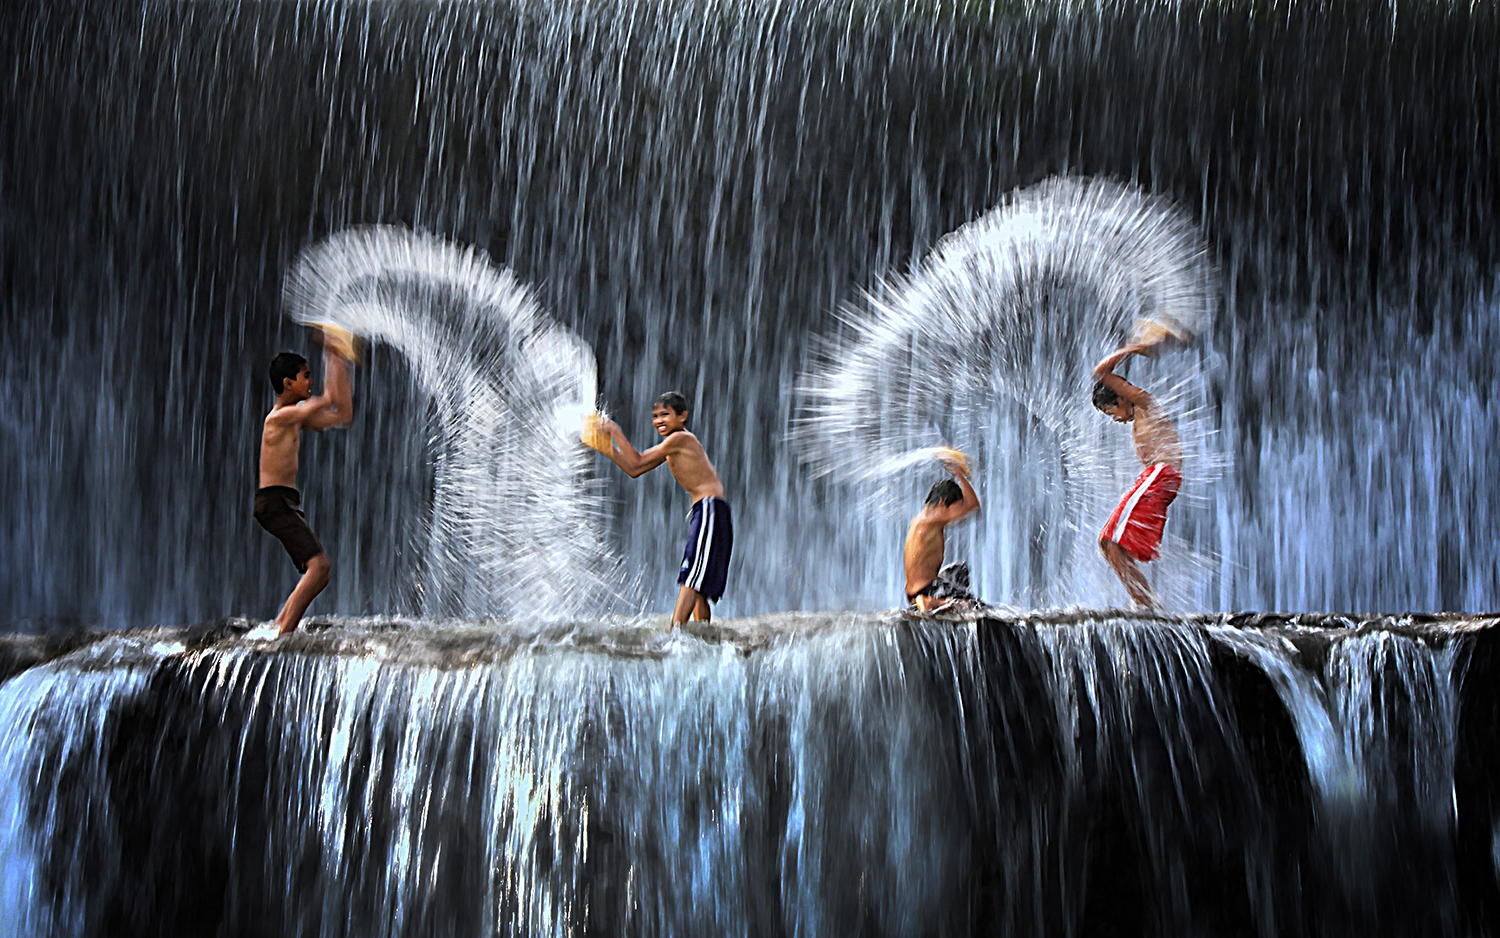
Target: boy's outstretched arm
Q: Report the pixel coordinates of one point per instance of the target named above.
(628, 458)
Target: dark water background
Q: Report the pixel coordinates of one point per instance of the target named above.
(695, 188)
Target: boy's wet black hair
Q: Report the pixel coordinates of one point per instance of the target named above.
(283, 366)
(674, 400)
(944, 492)
(1103, 396)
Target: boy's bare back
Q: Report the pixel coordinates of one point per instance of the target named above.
(926, 539)
(925, 546)
(280, 445)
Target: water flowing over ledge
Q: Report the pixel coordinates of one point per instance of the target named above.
(1069, 773)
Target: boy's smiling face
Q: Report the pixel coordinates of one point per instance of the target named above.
(666, 420)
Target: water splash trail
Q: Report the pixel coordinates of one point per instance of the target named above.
(517, 519)
(988, 347)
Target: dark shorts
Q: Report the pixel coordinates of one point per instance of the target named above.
(952, 583)
(705, 559)
(276, 510)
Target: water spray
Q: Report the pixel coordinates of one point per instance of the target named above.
(517, 523)
(987, 347)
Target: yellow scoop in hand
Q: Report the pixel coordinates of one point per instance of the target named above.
(595, 436)
(1154, 335)
(950, 456)
(338, 340)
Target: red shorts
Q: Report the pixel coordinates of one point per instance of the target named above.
(1141, 515)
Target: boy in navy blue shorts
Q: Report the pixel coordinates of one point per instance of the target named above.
(705, 559)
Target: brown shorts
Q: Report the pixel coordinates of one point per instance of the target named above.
(276, 510)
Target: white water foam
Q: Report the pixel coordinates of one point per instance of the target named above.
(517, 522)
(988, 347)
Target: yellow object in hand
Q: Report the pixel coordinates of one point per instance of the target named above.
(338, 340)
(595, 436)
(951, 456)
(1153, 334)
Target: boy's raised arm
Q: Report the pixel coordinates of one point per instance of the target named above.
(970, 502)
(1104, 373)
(335, 406)
(338, 385)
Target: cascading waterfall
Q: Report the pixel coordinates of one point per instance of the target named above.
(55, 725)
(1376, 727)
(813, 774)
(532, 789)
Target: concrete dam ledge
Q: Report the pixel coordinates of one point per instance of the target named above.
(468, 641)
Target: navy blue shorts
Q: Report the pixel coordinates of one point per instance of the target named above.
(705, 559)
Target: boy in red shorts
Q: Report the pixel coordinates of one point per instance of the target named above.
(1133, 533)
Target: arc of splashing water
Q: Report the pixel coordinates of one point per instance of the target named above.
(1015, 308)
(515, 517)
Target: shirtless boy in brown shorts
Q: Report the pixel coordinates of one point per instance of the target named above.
(277, 500)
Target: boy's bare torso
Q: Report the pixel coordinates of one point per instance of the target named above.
(280, 444)
(690, 467)
(1155, 436)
